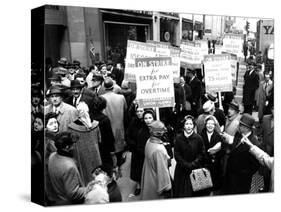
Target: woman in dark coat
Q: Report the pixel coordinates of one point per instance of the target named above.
(132, 133)
(189, 155)
(142, 136)
(106, 146)
(213, 153)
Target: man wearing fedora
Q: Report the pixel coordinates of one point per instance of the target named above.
(66, 112)
(97, 84)
(116, 107)
(251, 84)
(56, 80)
(36, 100)
(80, 94)
(240, 163)
(233, 118)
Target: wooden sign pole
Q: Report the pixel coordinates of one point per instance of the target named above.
(220, 101)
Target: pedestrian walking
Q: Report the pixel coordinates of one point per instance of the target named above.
(156, 180)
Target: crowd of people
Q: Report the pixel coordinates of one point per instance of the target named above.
(84, 120)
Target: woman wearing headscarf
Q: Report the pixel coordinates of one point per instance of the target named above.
(189, 155)
(156, 181)
(131, 136)
(142, 136)
(86, 151)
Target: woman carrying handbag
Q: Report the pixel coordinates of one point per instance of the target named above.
(189, 155)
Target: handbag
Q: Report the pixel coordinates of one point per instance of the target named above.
(200, 179)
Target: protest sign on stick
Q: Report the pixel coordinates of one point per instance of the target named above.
(164, 49)
(190, 55)
(233, 43)
(218, 76)
(233, 67)
(154, 79)
(135, 50)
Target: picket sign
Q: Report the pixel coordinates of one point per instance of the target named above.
(218, 76)
(154, 79)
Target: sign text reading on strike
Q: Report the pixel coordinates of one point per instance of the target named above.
(153, 62)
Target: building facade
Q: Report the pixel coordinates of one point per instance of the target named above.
(98, 34)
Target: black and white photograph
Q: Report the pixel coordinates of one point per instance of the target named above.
(132, 106)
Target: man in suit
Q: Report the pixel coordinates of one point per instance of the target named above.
(251, 84)
(66, 112)
(80, 94)
(196, 88)
(115, 110)
(240, 163)
(97, 81)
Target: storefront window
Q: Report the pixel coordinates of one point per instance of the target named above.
(116, 36)
(168, 30)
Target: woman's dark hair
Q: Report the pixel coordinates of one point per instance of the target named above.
(99, 103)
(186, 118)
(209, 118)
(150, 111)
(107, 168)
(65, 138)
(37, 116)
(49, 116)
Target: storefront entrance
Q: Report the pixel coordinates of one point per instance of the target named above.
(116, 36)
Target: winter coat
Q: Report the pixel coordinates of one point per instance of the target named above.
(240, 167)
(138, 155)
(213, 162)
(189, 155)
(67, 184)
(106, 146)
(155, 174)
(132, 137)
(251, 83)
(115, 110)
(268, 134)
(86, 151)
